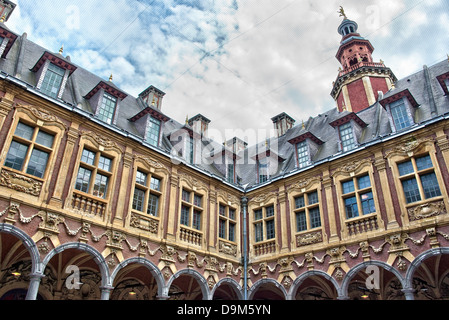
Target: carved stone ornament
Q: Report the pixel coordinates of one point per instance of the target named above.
(101, 141)
(304, 183)
(408, 147)
(150, 225)
(227, 248)
(352, 166)
(308, 238)
(42, 115)
(20, 183)
(426, 210)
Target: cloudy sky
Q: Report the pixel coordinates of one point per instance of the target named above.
(237, 62)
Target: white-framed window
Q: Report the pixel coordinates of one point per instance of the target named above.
(107, 108)
(302, 152)
(347, 136)
(153, 131)
(51, 84)
(400, 114)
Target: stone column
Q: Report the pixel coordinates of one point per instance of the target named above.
(106, 292)
(33, 288)
(409, 293)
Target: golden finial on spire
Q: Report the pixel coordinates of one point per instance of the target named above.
(342, 13)
(3, 18)
(303, 126)
(110, 77)
(187, 119)
(61, 50)
(154, 101)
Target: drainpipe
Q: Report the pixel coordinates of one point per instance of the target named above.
(245, 250)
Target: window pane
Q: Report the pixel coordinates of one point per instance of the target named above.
(197, 200)
(83, 179)
(303, 154)
(258, 214)
(107, 108)
(367, 203)
(38, 163)
(411, 190)
(399, 113)
(104, 163)
(258, 230)
(141, 178)
(196, 219)
(299, 202)
(153, 131)
(185, 215)
(100, 186)
(222, 229)
(222, 210)
(348, 186)
(231, 232)
(312, 197)
(270, 229)
(24, 131)
(424, 163)
(270, 211)
(44, 139)
(351, 207)
(185, 196)
(16, 155)
(363, 182)
(139, 196)
(232, 214)
(155, 184)
(153, 205)
(430, 185)
(315, 220)
(347, 137)
(301, 221)
(52, 80)
(88, 157)
(405, 168)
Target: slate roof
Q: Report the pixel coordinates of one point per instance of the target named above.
(422, 86)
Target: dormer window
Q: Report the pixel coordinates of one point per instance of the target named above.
(306, 146)
(400, 114)
(347, 136)
(107, 108)
(52, 72)
(153, 131)
(51, 84)
(349, 130)
(444, 82)
(263, 170)
(105, 100)
(400, 107)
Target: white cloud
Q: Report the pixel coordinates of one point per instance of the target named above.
(266, 57)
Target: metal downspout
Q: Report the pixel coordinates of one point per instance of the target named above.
(245, 250)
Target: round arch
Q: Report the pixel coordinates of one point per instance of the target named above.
(157, 274)
(97, 257)
(193, 273)
(419, 259)
(231, 283)
(253, 290)
(299, 280)
(37, 266)
(363, 265)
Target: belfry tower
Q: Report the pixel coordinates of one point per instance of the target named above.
(360, 79)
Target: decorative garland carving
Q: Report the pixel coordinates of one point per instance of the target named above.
(426, 210)
(151, 163)
(304, 183)
(407, 147)
(351, 167)
(101, 141)
(308, 238)
(20, 183)
(43, 115)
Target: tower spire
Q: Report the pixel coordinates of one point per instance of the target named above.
(358, 73)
